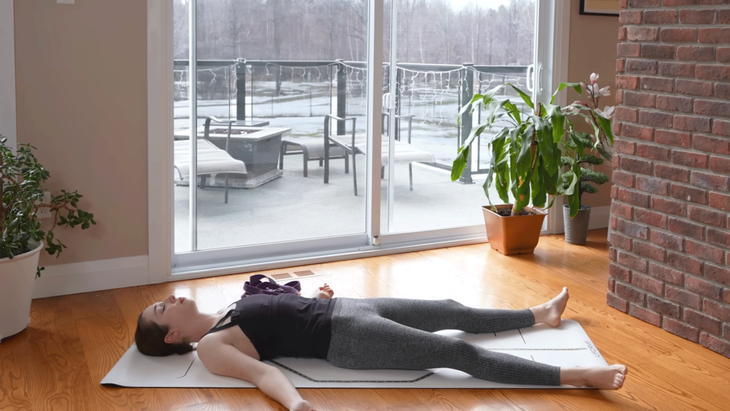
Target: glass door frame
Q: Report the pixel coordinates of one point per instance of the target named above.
(552, 47)
(374, 109)
(164, 265)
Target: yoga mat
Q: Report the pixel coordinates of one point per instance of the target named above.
(567, 345)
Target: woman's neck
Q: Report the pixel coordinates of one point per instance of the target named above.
(200, 325)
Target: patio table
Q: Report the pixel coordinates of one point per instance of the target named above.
(251, 123)
(257, 147)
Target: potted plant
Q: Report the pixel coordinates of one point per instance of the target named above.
(579, 148)
(526, 162)
(21, 235)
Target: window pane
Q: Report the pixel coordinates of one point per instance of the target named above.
(446, 52)
(276, 68)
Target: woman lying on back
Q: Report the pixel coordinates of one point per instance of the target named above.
(370, 333)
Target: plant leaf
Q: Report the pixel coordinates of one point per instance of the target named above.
(522, 194)
(502, 184)
(606, 127)
(539, 196)
(459, 164)
(524, 158)
(498, 164)
(543, 130)
(571, 187)
(551, 182)
(574, 203)
(512, 111)
(524, 96)
(470, 106)
(561, 86)
(557, 118)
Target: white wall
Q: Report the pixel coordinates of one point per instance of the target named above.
(7, 72)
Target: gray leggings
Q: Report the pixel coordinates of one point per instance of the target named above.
(394, 333)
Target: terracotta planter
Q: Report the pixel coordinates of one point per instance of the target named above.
(513, 235)
(17, 277)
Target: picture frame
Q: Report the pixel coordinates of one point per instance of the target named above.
(600, 7)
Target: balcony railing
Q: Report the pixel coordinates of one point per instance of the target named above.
(433, 92)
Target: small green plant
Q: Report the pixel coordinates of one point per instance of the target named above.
(577, 176)
(22, 179)
(578, 146)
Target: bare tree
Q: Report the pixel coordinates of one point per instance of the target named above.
(356, 28)
(180, 32)
(429, 31)
(329, 22)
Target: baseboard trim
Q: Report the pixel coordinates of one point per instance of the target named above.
(64, 279)
(599, 217)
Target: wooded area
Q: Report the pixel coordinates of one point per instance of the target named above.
(429, 31)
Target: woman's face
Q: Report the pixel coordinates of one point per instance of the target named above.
(173, 312)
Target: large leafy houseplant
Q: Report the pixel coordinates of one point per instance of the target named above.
(22, 178)
(526, 152)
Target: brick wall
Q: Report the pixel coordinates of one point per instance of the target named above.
(670, 226)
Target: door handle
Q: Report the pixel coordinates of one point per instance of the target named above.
(388, 101)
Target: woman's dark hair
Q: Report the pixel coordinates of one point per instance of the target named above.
(150, 339)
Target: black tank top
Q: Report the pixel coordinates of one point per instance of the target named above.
(283, 325)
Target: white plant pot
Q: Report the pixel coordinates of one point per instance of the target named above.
(17, 277)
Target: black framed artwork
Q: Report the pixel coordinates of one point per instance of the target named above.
(600, 7)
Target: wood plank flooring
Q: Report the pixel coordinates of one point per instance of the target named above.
(73, 341)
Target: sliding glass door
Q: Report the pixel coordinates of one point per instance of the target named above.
(267, 74)
(286, 144)
(439, 54)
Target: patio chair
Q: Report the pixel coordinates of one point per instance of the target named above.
(311, 149)
(212, 160)
(352, 144)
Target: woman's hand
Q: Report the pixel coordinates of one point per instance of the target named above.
(301, 406)
(325, 292)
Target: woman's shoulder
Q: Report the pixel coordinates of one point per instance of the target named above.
(232, 336)
(215, 338)
(213, 341)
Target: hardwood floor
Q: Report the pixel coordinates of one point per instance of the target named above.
(73, 341)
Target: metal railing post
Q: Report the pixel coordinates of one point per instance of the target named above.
(341, 96)
(240, 90)
(278, 80)
(467, 89)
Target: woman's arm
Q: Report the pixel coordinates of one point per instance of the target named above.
(225, 359)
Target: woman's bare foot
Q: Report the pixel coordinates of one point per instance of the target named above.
(606, 378)
(550, 312)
